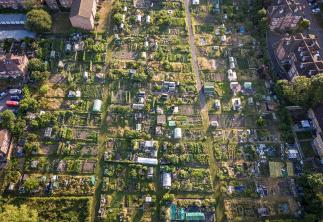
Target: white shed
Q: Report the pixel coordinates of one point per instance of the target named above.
(138, 18)
(148, 161)
(148, 19)
(177, 133)
(232, 75)
(195, 2)
(167, 180)
(97, 105)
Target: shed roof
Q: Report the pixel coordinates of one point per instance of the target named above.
(97, 105)
(149, 161)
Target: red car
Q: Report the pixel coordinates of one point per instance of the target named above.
(11, 103)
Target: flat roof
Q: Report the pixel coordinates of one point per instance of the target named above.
(13, 19)
(16, 34)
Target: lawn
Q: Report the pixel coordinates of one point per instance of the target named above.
(304, 135)
(61, 23)
(307, 149)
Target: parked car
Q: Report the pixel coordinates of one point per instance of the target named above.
(15, 91)
(2, 95)
(15, 98)
(316, 10)
(11, 103)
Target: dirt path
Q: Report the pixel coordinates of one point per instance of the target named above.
(194, 57)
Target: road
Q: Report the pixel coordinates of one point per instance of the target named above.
(194, 57)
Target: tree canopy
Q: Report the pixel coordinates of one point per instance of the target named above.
(38, 20)
(301, 90)
(8, 119)
(12, 213)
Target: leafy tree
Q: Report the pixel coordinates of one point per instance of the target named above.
(260, 122)
(31, 183)
(169, 197)
(12, 213)
(117, 18)
(317, 89)
(304, 23)
(19, 127)
(8, 119)
(35, 64)
(38, 20)
(39, 76)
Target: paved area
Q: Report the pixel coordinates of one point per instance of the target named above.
(315, 27)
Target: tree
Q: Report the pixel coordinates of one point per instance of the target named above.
(317, 89)
(35, 64)
(117, 18)
(38, 20)
(8, 119)
(39, 76)
(315, 181)
(23, 213)
(19, 127)
(31, 183)
(304, 23)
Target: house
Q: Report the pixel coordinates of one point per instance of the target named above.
(83, 14)
(284, 15)
(299, 54)
(209, 88)
(13, 66)
(167, 180)
(316, 115)
(4, 145)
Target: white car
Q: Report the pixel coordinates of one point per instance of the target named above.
(14, 91)
(316, 10)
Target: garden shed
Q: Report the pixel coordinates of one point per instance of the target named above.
(148, 161)
(177, 133)
(194, 216)
(231, 62)
(97, 105)
(209, 88)
(236, 104)
(232, 76)
(167, 180)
